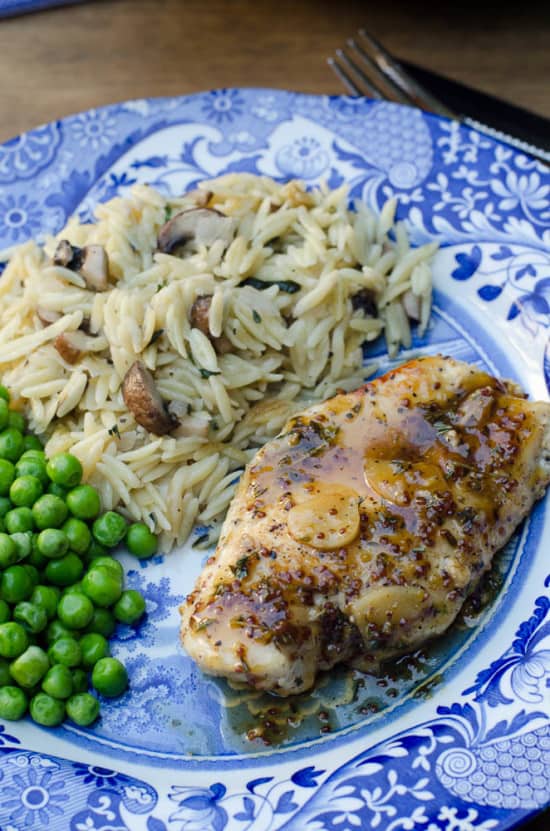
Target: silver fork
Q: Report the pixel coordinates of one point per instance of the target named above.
(365, 67)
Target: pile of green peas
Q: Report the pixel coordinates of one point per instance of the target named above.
(61, 592)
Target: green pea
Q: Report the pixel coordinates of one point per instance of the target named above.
(58, 490)
(75, 587)
(13, 703)
(96, 550)
(19, 520)
(75, 610)
(109, 563)
(130, 607)
(80, 680)
(16, 584)
(17, 421)
(31, 466)
(102, 586)
(35, 453)
(36, 558)
(65, 469)
(5, 506)
(47, 598)
(109, 529)
(23, 543)
(32, 617)
(65, 570)
(83, 709)
(33, 574)
(47, 711)
(57, 630)
(52, 543)
(30, 666)
(103, 622)
(5, 677)
(8, 551)
(78, 534)
(66, 651)
(58, 681)
(140, 541)
(94, 647)
(49, 511)
(13, 639)
(4, 393)
(5, 613)
(7, 475)
(109, 677)
(4, 414)
(25, 490)
(32, 443)
(83, 502)
(11, 444)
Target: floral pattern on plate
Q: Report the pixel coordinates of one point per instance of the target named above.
(469, 749)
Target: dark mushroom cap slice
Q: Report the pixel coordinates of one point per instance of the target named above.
(67, 348)
(198, 317)
(91, 262)
(66, 255)
(203, 226)
(143, 399)
(365, 300)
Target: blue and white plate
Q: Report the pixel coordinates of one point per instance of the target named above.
(456, 739)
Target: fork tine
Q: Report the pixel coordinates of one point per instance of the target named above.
(346, 80)
(401, 79)
(365, 86)
(392, 91)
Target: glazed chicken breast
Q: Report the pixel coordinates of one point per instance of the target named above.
(359, 531)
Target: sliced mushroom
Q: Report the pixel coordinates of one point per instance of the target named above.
(86, 325)
(143, 399)
(47, 316)
(94, 267)
(67, 348)
(204, 226)
(67, 255)
(198, 318)
(190, 424)
(365, 299)
(91, 262)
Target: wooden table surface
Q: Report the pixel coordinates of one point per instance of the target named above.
(71, 58)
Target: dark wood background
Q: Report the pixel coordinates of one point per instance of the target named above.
(74, 57)
(68, 59)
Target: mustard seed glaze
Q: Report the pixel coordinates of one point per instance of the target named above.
(359, 531)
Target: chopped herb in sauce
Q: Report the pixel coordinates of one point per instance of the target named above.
(257, 317)
(206, 373)
(441, 427)
(240, 569)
